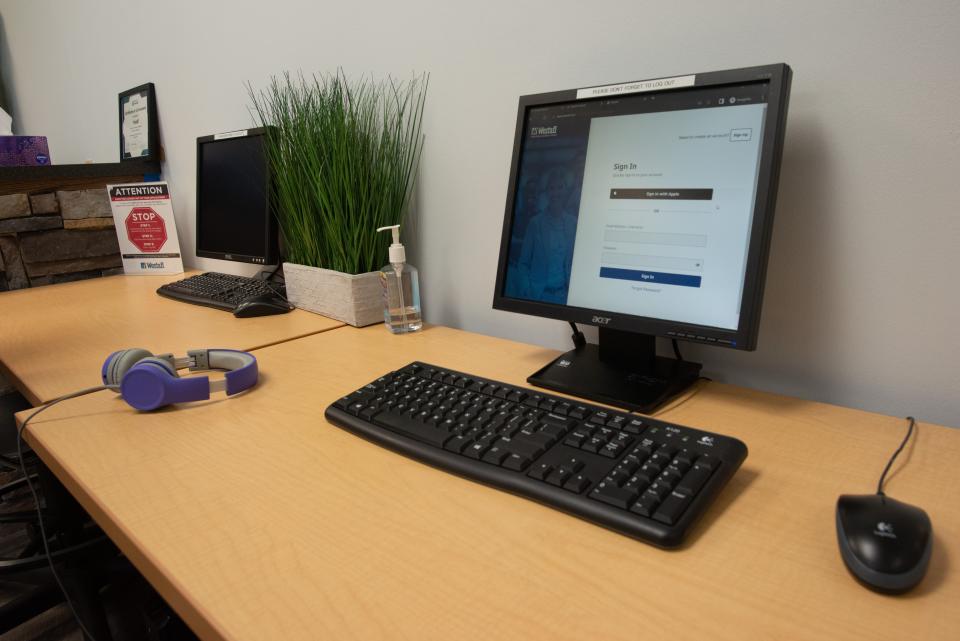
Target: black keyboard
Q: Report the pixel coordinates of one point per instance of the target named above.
(643, 477)
(224, 291)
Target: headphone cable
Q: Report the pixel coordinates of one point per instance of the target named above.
(36, 498)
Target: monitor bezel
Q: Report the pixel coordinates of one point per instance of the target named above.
(270, 255)
(745, 336)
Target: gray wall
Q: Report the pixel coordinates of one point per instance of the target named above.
(861, 306)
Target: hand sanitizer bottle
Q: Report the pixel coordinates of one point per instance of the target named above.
(401, 289)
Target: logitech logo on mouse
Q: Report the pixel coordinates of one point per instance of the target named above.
(885, 530)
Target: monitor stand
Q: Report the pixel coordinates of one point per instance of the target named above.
(623, 370)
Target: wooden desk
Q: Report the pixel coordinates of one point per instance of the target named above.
(258, 520)
(54, 339)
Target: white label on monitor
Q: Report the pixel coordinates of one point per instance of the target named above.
(231, 134)
(636, 87)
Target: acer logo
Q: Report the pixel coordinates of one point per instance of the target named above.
(601, 320)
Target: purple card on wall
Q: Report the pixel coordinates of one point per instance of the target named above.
(16, 151)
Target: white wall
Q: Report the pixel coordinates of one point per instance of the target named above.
(862, 296)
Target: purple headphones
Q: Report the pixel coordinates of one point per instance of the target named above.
(147, 382)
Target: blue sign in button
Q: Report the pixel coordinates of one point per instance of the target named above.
(658, 278)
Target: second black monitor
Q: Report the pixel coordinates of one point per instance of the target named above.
(234, 216)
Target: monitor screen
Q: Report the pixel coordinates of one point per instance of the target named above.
(639, 204)
(233, 215)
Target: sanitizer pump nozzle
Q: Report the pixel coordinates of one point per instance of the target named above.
(398, 255)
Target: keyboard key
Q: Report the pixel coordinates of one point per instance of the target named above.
(600, 418)
(670, 476)
(553, 430)
(684, 456)
(457, 443)
(660, 458)
(634, 484)
(646, 505)
(645, 448)
(557, 477)
(577, 483)
(617, 477)
(594, 444)
(541, 471)
(659, 489)
(543, 438)
(411, 427)
(634, 426)
(533, 400)
(668, 450)
(617, 421)
(648, 472)
(707, 461)
(611, 450)
(672, 508)
(495, 455)
(475, 451)
(572, 465)
(578, 412)
(694, 479)
(516, 462)
(356, 407)
(527, 449)
(556, 419)
(613, 495)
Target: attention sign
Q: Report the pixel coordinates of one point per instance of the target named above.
(146, 229)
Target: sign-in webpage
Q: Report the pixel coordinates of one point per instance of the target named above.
(647, 213)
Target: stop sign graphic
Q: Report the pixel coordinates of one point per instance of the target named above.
(146, 229)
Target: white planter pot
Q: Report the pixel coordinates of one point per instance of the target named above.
(353, 299)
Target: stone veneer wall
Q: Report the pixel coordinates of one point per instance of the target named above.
(56, 237)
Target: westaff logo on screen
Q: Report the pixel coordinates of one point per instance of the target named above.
(544, 132)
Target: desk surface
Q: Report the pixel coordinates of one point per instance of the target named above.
(257, 520)
(54, 339)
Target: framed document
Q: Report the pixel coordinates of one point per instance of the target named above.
(139, 132)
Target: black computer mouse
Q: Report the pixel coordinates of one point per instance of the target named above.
(885, 543)
(262, 306)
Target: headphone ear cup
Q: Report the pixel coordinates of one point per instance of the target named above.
(160, 363)
(119, 363)
(146, 386)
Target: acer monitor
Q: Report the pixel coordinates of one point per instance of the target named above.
(644, 208)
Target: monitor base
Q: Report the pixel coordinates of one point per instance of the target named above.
(622, 371)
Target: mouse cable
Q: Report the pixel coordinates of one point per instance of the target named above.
(579, 340)
(906, 438)
(36, 498)
(676, 349)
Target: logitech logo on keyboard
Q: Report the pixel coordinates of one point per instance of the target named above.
(706, 440)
